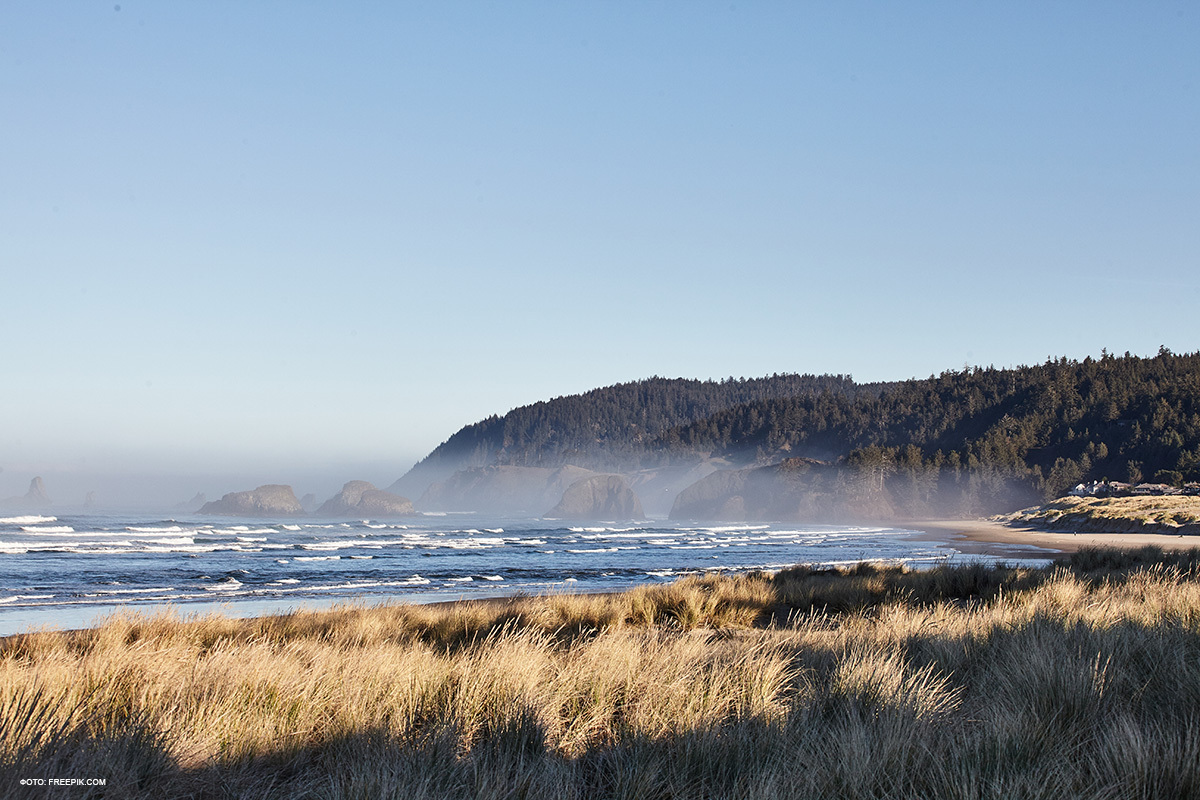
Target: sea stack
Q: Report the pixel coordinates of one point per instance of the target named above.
(362, 499)
(35, 498)
(598, 497)
(271, 500)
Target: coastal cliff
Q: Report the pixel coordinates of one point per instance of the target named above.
(797, 489)
(506, 490)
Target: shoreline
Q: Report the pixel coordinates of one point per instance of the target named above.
(988, 537)
(968, 536)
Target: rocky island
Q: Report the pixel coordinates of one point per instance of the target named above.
(271, 500)
(362, 499)
(33, 499)
(598, 497)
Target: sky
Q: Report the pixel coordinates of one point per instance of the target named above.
(306, 242)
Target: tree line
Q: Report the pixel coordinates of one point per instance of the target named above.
(1045, 427)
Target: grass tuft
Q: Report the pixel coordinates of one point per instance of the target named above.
(1077, 680)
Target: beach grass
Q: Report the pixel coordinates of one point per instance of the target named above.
(1081, 679)
(1166, 514)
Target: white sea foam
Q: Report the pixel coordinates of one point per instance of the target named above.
(290, 527)
(16, 598)
(318, 558)
(731, 528)
(226, 585)
(286, 581)
(184, 548)
(494, 530)
(492, 577)
(333, 544)
(89, 533)
(32, 519)
(55, 529)
(70, 547)
(615, 535)
(133, 591)
(171, 529)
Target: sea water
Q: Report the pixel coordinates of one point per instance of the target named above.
(69, 571)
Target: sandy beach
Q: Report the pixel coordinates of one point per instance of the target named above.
(981, 536)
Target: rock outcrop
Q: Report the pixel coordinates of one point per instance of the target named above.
(362, 499)
(192, 506)
(271, 500)
(657, 487)
(35, 498)
(309, 503)
(606, 497)
(796, 489)
(504, 490)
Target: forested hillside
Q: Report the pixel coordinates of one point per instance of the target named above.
(1053, 425)
(616, 428)
(1044, 427)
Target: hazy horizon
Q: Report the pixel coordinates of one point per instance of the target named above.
(151, 483)
(307, 243)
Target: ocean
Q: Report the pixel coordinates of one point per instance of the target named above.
(70, 571)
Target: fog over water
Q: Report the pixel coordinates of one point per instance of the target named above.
(162, 486)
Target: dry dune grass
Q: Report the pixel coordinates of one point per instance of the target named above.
(1162, 514)
(1078, 680)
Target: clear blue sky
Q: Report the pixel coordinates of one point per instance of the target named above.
(286, 239)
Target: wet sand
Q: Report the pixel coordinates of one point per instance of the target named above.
(981, 536)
